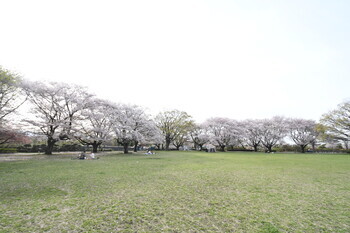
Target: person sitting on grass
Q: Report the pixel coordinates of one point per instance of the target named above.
(150, 151)
(82, 155)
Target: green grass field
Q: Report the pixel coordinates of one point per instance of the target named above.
(177, 192)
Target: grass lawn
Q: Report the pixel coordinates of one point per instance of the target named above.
(177, 192)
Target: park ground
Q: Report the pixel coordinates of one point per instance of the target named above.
(176, 192)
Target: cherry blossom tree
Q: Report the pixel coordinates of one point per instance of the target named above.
(273, 131)
(223, 131)
(173, 124)
(48, 112)
(302, 132)
(151, 134)
(75, 99)
(154, 136)
(133, 126)
(252, 133)
(95, 124)
(12, 136)
(54, 107)
(199, 135)
(147, 130)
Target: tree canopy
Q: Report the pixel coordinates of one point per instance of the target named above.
(61, 111)
(337, 123)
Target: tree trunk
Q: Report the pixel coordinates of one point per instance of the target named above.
(158, 147)
(136, 145)
(50, 144)
(167, 144)
(269, 149)
(302, 147)
(195, 145)
(313, 144)
(222, 148)
(255, 148)
(126, 148)
(95, 147)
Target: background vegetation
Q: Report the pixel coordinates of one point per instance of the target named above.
(62, 112)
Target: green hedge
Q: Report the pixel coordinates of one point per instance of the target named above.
(7, 150)
(57, 148)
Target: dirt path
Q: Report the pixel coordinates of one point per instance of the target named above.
(27, 156)
(15, 158)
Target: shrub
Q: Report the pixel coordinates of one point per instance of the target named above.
(71, 147)
(231, 148)
(7, 150)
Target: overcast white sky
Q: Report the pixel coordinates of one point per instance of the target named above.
(237, 59)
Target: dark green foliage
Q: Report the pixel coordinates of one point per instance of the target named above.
(41, 148)
(7, 150)
(71, 147)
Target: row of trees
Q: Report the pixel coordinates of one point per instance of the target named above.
(224, 132)
(266, 133)
(62, 112)
(66, 112)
